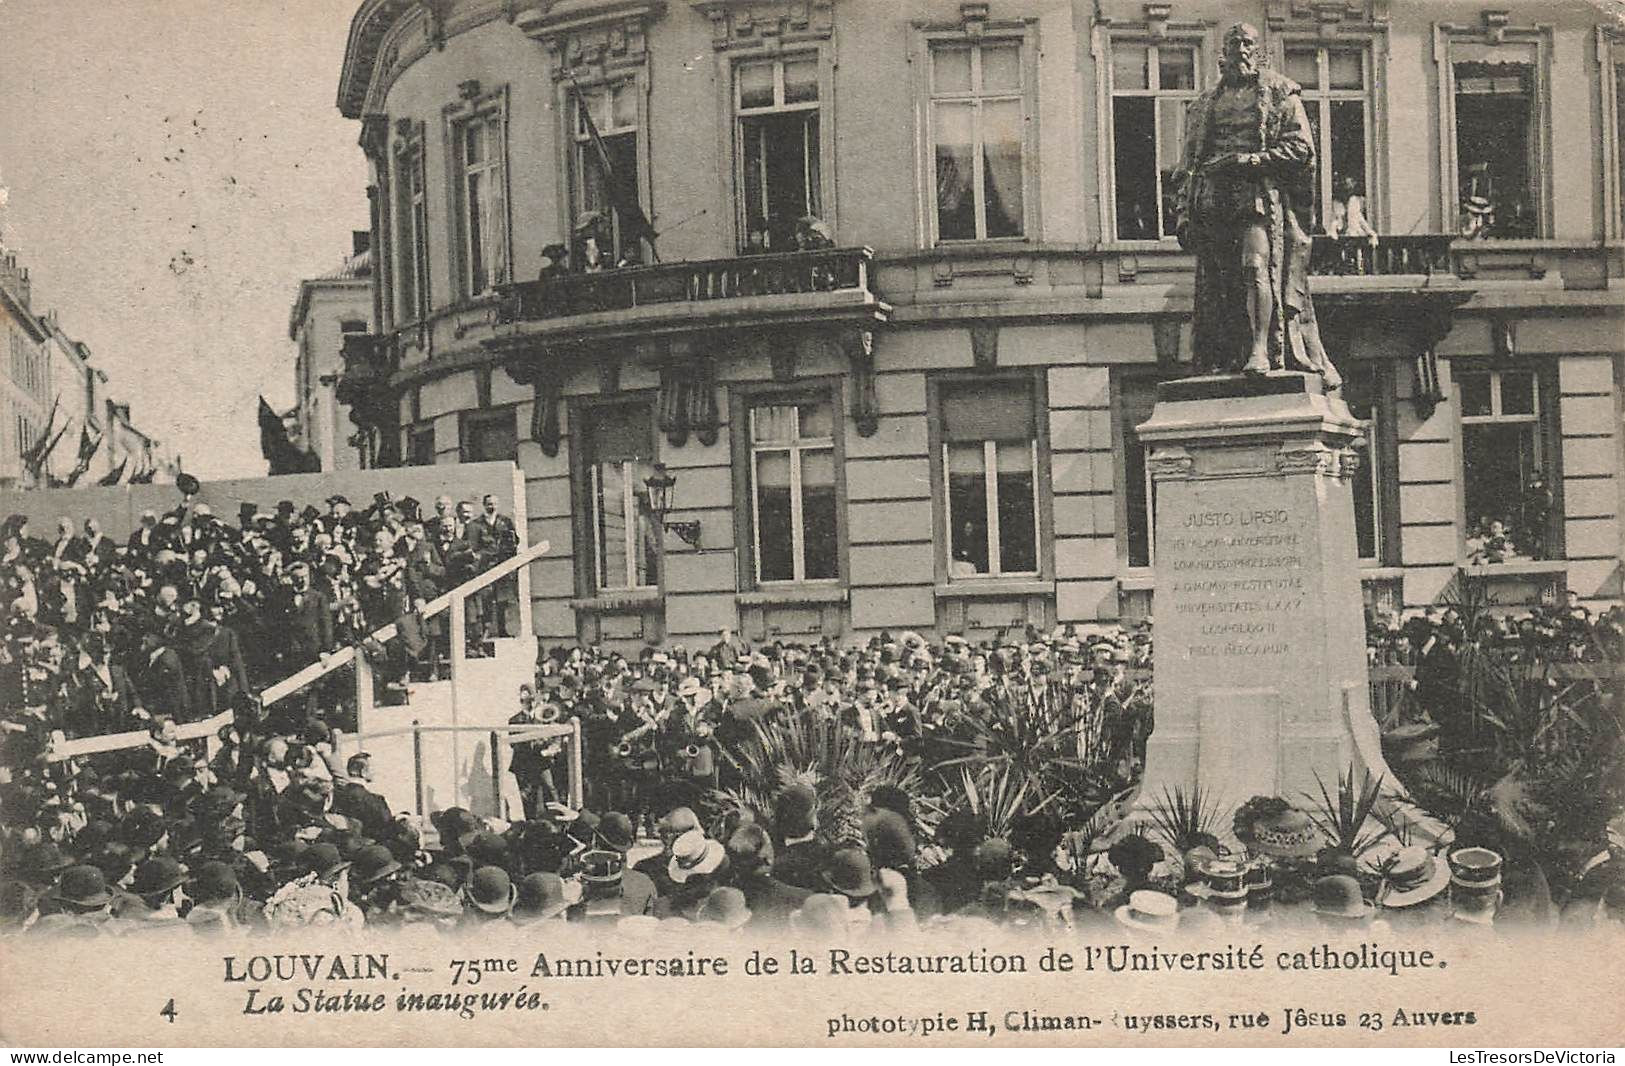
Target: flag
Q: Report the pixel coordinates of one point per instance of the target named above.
(284, 455)
(37, 461)
(88, 446)
(34, 456)
(116, 475)
(623, 194)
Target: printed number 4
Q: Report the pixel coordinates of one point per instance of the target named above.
(169, 1011)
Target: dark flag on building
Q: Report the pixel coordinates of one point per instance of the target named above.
(116, 475)
(88, 447)
(284, 455)
(623, 193)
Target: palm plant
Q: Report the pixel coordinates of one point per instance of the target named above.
(1344, 819)
(820, 752)
(1186, 819)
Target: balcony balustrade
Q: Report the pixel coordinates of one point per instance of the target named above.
(788, 274)
(1425, 254)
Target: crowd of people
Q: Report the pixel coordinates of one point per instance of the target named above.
(269, 826)
(192, 615)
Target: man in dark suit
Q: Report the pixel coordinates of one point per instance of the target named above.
(146, 540)
(750, 854)
(802, 858)
(353, 799)
(99, 692)
(493, 538)
(160, 680)
(426, 580)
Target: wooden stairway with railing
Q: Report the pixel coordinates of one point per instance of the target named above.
(448, 744)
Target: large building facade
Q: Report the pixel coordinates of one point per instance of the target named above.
(931, 424)
(328, 310)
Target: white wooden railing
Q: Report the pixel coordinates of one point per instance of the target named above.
(454, 601)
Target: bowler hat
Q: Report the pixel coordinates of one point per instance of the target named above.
(1338, 896)
(539, 896)
(337, 498)
(491, 890)
(213, 881)
(324, 860)
(615, 830)
(726, 907)
(372, 863)
(156, 876)
(83, 886)
(850, 873)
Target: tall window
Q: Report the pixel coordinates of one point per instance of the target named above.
(1511, 508)
(1616, 64)
(490, 435)
(482, 212)
(625, 541)
(1360, 392)
(1152, 89)
(412, 237)
(614, 111)
(1138, 398)
(792, 455)
(1497, 148)
(1334, 82)
(978, 123)
(990, 464)
(777, 107)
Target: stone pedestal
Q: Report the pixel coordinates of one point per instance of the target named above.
(1260, 667)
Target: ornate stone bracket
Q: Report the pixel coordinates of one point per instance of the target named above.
(859, 346)
(540, 370)
(984, 345)
(688, 402)
(577, 35)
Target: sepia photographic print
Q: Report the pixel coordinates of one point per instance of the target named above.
(812, 523)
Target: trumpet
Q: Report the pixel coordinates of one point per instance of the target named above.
(692, 751)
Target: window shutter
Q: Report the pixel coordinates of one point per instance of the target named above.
(991, 410)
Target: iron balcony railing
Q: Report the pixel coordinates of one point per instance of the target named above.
(1425, 254)
(789, 273)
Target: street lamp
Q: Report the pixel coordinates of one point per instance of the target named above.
(661, 486)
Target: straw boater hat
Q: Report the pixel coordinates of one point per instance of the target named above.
(693, 854)
(1415, 876)
(1149, 912)
(1475, 869)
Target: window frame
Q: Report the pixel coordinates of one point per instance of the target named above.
(1448, 42)
(1548, 436)
(928, 37)
(1196, 40)
(416, 432)
(411, 221)
(1321, 99)
(820, 53)
(583, 481)
(1043, 486)
(576, 142)
(1610, 53)
(742, 400)
(490, 110)
(1122, 379)
(1381, 454)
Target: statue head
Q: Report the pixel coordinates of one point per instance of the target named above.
(1242, 55)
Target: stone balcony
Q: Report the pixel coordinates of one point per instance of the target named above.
(827, 286)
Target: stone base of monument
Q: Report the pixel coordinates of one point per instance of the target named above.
(1260, 670)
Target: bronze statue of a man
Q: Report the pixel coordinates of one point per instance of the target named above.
(1245, 180)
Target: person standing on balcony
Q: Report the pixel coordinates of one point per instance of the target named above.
(1245, 177)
